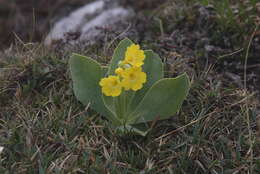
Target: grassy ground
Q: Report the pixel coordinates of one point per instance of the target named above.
(44, 129)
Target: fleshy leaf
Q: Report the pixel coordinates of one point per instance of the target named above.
(162, 100)
(119, 105)
(119, 54)
(104, 70)
(153, 68)
(86, 74)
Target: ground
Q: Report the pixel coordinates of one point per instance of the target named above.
(44, 129)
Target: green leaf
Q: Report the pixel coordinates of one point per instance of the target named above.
(118, 105)
(104, 70)
(111, 104)
(153, 68)
(119, 54)
(162, 100)
(86, 74)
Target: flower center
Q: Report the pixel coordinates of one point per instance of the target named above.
(114, 83)
(131, 76)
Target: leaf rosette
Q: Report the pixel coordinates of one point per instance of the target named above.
(131, 91)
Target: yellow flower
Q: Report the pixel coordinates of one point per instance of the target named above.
(119, 71)
(111, 86)
(134, 55)
(133, 78)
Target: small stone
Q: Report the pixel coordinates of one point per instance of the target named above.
(1, 149)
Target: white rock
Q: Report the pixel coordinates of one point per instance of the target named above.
(85, 21)
(106, 18)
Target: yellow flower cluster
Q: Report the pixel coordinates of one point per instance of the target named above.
(129, 74)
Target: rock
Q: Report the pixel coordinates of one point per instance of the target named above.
(86, 20)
